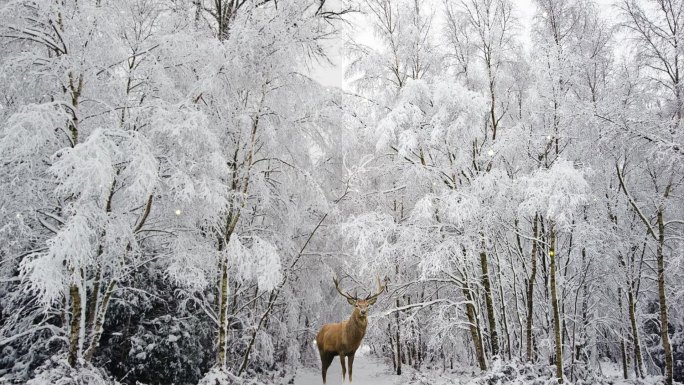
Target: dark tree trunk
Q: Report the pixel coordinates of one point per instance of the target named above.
(554, 304)
(530, 290)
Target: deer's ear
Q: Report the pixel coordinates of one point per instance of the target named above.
(351, 301)
(372, 301)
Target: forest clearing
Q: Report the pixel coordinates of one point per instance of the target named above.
(214, 192)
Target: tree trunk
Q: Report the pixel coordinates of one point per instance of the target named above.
(519, 338)
(623, 349)
(391, 340)
(91, 312)
(98, 325)
(474, 327)
(530, 290)
(494, 336)
(223, 310)
(660, 259)
(554, 304)
(504, 318)
(664, 335)
(77, 326)
(224, 287)
(75, 345)
(262, 321)
(638, 360)
(398, 339)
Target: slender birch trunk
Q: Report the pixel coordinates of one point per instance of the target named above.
(223, 310)
(391, 341)
(504, 317)
(76, 294)
(554, 304)
(664, 334)
(660, 260)
(398, 339)
(91, 313)
(98, 326)
(75, 342)
(530, 290)
(494, 336)
(623, 348)
(638, 360)
(234, 213)
(474, 326)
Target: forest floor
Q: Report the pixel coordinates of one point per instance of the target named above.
(372, 370)
(367, 371)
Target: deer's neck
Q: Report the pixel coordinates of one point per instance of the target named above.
(356, 326)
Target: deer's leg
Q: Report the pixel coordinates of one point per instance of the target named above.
(326, 360)
(350, 358)
(344, 367)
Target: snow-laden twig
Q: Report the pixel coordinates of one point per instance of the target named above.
(423, 305)
(633, 203)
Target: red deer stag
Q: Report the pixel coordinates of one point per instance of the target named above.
(343, 338)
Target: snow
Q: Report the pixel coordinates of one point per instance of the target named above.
(367, 371)
(370, 370)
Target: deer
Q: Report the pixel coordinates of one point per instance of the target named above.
(343, 338)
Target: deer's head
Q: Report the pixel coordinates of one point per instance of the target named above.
(361, 305)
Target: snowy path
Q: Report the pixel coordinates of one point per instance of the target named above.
(367, 371)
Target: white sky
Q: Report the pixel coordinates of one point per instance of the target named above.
(361, 32)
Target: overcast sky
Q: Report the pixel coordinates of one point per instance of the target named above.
(361, 32)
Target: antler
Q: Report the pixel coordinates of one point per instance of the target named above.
(381, 288)
(346, 295)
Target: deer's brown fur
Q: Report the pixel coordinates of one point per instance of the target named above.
(344, 338)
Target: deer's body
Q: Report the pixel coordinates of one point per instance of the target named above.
(344, 338)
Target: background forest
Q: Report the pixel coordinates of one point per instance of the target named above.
(177, 193)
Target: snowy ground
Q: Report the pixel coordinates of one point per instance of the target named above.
(370, 370)
(367, 371)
